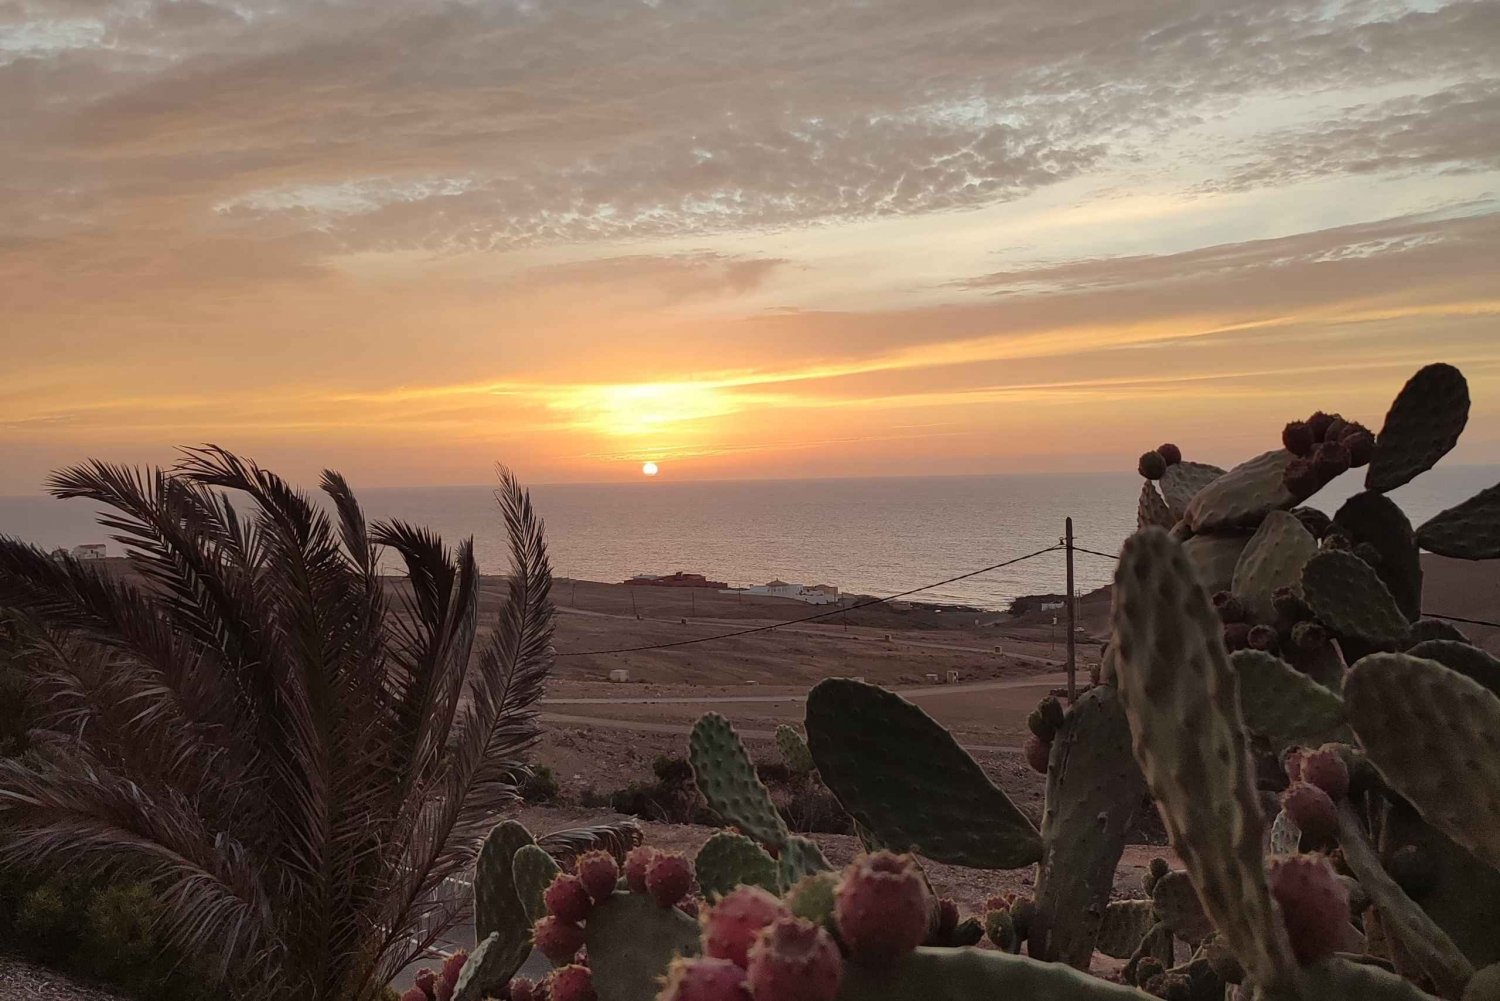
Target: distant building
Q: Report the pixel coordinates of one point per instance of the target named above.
(813, 594)
(88, 551)
(678, 579)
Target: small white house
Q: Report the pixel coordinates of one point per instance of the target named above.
(89, 551)
(812, 594)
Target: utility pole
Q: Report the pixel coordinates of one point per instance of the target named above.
(1072, 612)
(632, 603)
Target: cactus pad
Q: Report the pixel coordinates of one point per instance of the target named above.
(534, 870)
(1423, 630)
(1470, 531)
(1273, 558)
(969, 974)
(1423, 424)
(1351, 599)
(1434, 735)
(631, 941)
(1282, 704)
(726, 777)
(1124, 925)
(1214, 558)
(1339, 979)
(1175, 680)
(793, 749)
(1181, 484)
(1177, 906)
(727, 860)
(486, 972)
(1375, 518)
(1244, 495)
(800, 857)
(1463, 658)
(897, 772)
(1151, 509)
(497, 908)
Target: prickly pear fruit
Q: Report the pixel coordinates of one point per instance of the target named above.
(635, 867)
(1230, 608)
(1310, 809)
(1314, 905)
(1318, 424)
(558, 940)
(1170, 452)
(689, 905)
(945, 918)
(598, 872)
(1361, 446)
(1263, 638)
(1037, 753)
(730, 926)
(522, 989)
(1330, 459)
(453, 966)
(1000, 929)
(1148, 969)
(1335, 429)
(1158, 868)
(1309, 637)
(812, 897)
(668, 878)
(1152, 466)
(415, 994)
(1300, 478)
(424, 980)
(882, 906)
(795, 960)
(1046, 718)
(567, 900)
(1297, 438)
(704, 979)
(1236, 636)
(442, 991)
(571, 983)
(1316, 522)
(1326, 769)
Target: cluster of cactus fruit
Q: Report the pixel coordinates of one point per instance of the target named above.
(1325, 760)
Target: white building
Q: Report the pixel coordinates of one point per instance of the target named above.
(812, 594)
(88, 551)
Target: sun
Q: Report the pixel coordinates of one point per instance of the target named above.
(649, 469)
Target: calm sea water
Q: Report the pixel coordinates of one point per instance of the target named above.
(872, 536)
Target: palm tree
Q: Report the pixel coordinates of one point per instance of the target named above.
(295, 756)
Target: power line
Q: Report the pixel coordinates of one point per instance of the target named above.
(1094, 552)
(806, 618)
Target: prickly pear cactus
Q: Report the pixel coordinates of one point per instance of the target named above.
(1351, 599)
(1124, 925)
(534, 869)
(1244, 495)
(1374, 519)
(1463, 658)
(1470, 531)
(631, 941)
(1283, 705)
(1215, 557)
(727, 860)
(974, 975)
(498, 911)
(487, 970)
(726, 777)
(1152, 509)
(1421, 427)
(1181, 483)
(794, 750)
(1273, 558)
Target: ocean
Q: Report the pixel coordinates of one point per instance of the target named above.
(869, 536)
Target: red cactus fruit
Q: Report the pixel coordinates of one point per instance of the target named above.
(795, 960)
(1291, 763)
(668, 878)
(570, 983)
(1037, 753)
(558, 940)
(690, 906)
(598, 872)
(1297, 438)
(1170, 452)
(522, 989)
(1230, 608)
(1310, 809)
(1314, 905)
(1236, 636)
(881, 907)
(1330, 459)
(1263, 638)
(945, 918)
(704, 979)
(415, 994)
(730, 926)
(442, 991)
(424, 980)
(1318, 424)
(1300, 478)
(1336, 428)
(1326, 769)
(452, 966)
(567, 900)
(635, 867)
(1361, 446)
(1309, 636)
(1151, 465)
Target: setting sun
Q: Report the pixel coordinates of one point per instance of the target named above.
(649, 469)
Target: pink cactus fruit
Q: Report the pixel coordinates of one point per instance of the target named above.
(690, 906)
(571, 983)
(704, 979)
(795, 960)
(881, 907)
(415, 994)
(522, 989)
(1171, 453)
(558, 940)
(1152, 466)
(945, 918)
(731, 925)
(668, 878)
(1314, 905)
(567, 900)
(442, 990)
(1297, 438)
(1326, 769)
(424, 980)
(1037, 753)
(452, 966)
(598, 872)
(635, 867)
(1311, 810)
(1291, 763)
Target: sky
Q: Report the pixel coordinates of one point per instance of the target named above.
(741, 239)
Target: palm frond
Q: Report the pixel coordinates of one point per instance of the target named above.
(616, 837)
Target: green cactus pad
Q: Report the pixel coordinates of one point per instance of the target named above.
(1214, 558)
(1094, 790)
(729, 859)
(1485, 985)
(487, 970)
(1178, 907)
(1470, 531)
(1179, 693)
(726, 777)
(534, 871)
(793, 749)
(931, 974)
(1274, 557)
(1423, 630)
(899, 773)
(1421, 427)
(1124, 925)
(631, 941)
(1419, 935)
(1375, 518)
(1463, 658)
(1461, 894)
(1244, 495)
(1283, 705)
(1351, 599)
(812, 897)
(1181, 484)
(800, 857)
(1339, 979)
(1151, 509)
(1434, 735)
(497, 909)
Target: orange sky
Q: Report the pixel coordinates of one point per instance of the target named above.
(408, 240)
